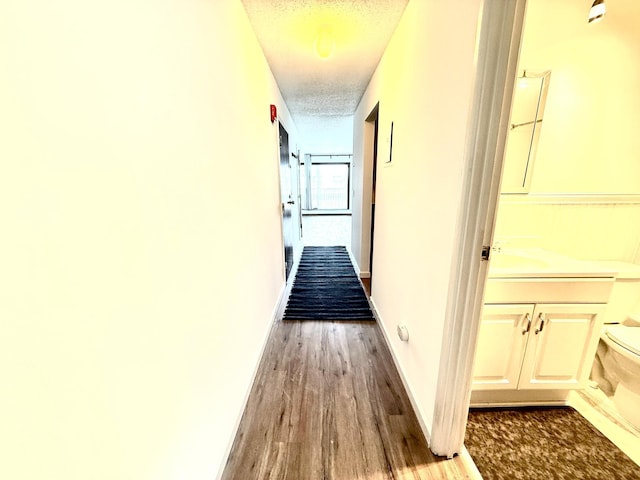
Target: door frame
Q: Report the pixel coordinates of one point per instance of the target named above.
(366, 183)
(372, 136)
(497, 50)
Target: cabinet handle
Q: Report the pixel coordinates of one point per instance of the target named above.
(539, 329)
(527, 317)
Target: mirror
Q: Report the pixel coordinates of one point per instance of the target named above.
(524, 131)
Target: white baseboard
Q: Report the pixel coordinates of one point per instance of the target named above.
(471, 468)
(276, 315)
(414, 404)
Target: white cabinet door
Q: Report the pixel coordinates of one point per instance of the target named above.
(561, 346)
(501, 345)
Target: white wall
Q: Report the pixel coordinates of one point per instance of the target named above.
(425, 90)
(140, 254)
(326, 134)
(589, 140)
(591, 227)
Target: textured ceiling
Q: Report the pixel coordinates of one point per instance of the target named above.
(310, 85)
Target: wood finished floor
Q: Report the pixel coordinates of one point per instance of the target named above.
(328, 404)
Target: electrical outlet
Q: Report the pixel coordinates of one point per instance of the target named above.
(403, 333)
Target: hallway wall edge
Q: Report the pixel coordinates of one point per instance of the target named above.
(276, 315)
(398, 365)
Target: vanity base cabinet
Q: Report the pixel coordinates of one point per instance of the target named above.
(536, 346)
(501, 346)
(561, 346)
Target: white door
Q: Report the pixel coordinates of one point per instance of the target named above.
(561, 347)
(501, 345)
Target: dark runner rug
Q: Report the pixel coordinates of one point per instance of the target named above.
(326, 287)
(543, 443)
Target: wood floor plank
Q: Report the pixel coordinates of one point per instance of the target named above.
(328, 404)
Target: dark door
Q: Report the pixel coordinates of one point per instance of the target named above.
(286, 197)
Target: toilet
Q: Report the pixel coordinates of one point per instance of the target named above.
(617, 365)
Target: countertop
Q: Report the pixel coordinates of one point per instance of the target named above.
(537, 262)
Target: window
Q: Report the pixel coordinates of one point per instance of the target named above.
(326, 183)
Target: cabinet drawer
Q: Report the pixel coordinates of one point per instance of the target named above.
(548, 290)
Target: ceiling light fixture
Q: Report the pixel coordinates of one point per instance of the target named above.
(598, 9)
(324, 44)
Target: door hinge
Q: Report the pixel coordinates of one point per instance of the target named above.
(486, 251)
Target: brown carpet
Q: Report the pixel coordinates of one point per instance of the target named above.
(543, 443)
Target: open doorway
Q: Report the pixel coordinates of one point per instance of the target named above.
(326, 203)
(576, 207)
(364, 196)
(372, 139)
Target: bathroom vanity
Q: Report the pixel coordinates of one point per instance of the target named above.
(540, 327)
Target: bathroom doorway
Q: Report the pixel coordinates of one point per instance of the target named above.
(579, 202)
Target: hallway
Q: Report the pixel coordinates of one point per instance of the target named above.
(328, 403)
(142, 204)
(326, 230)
